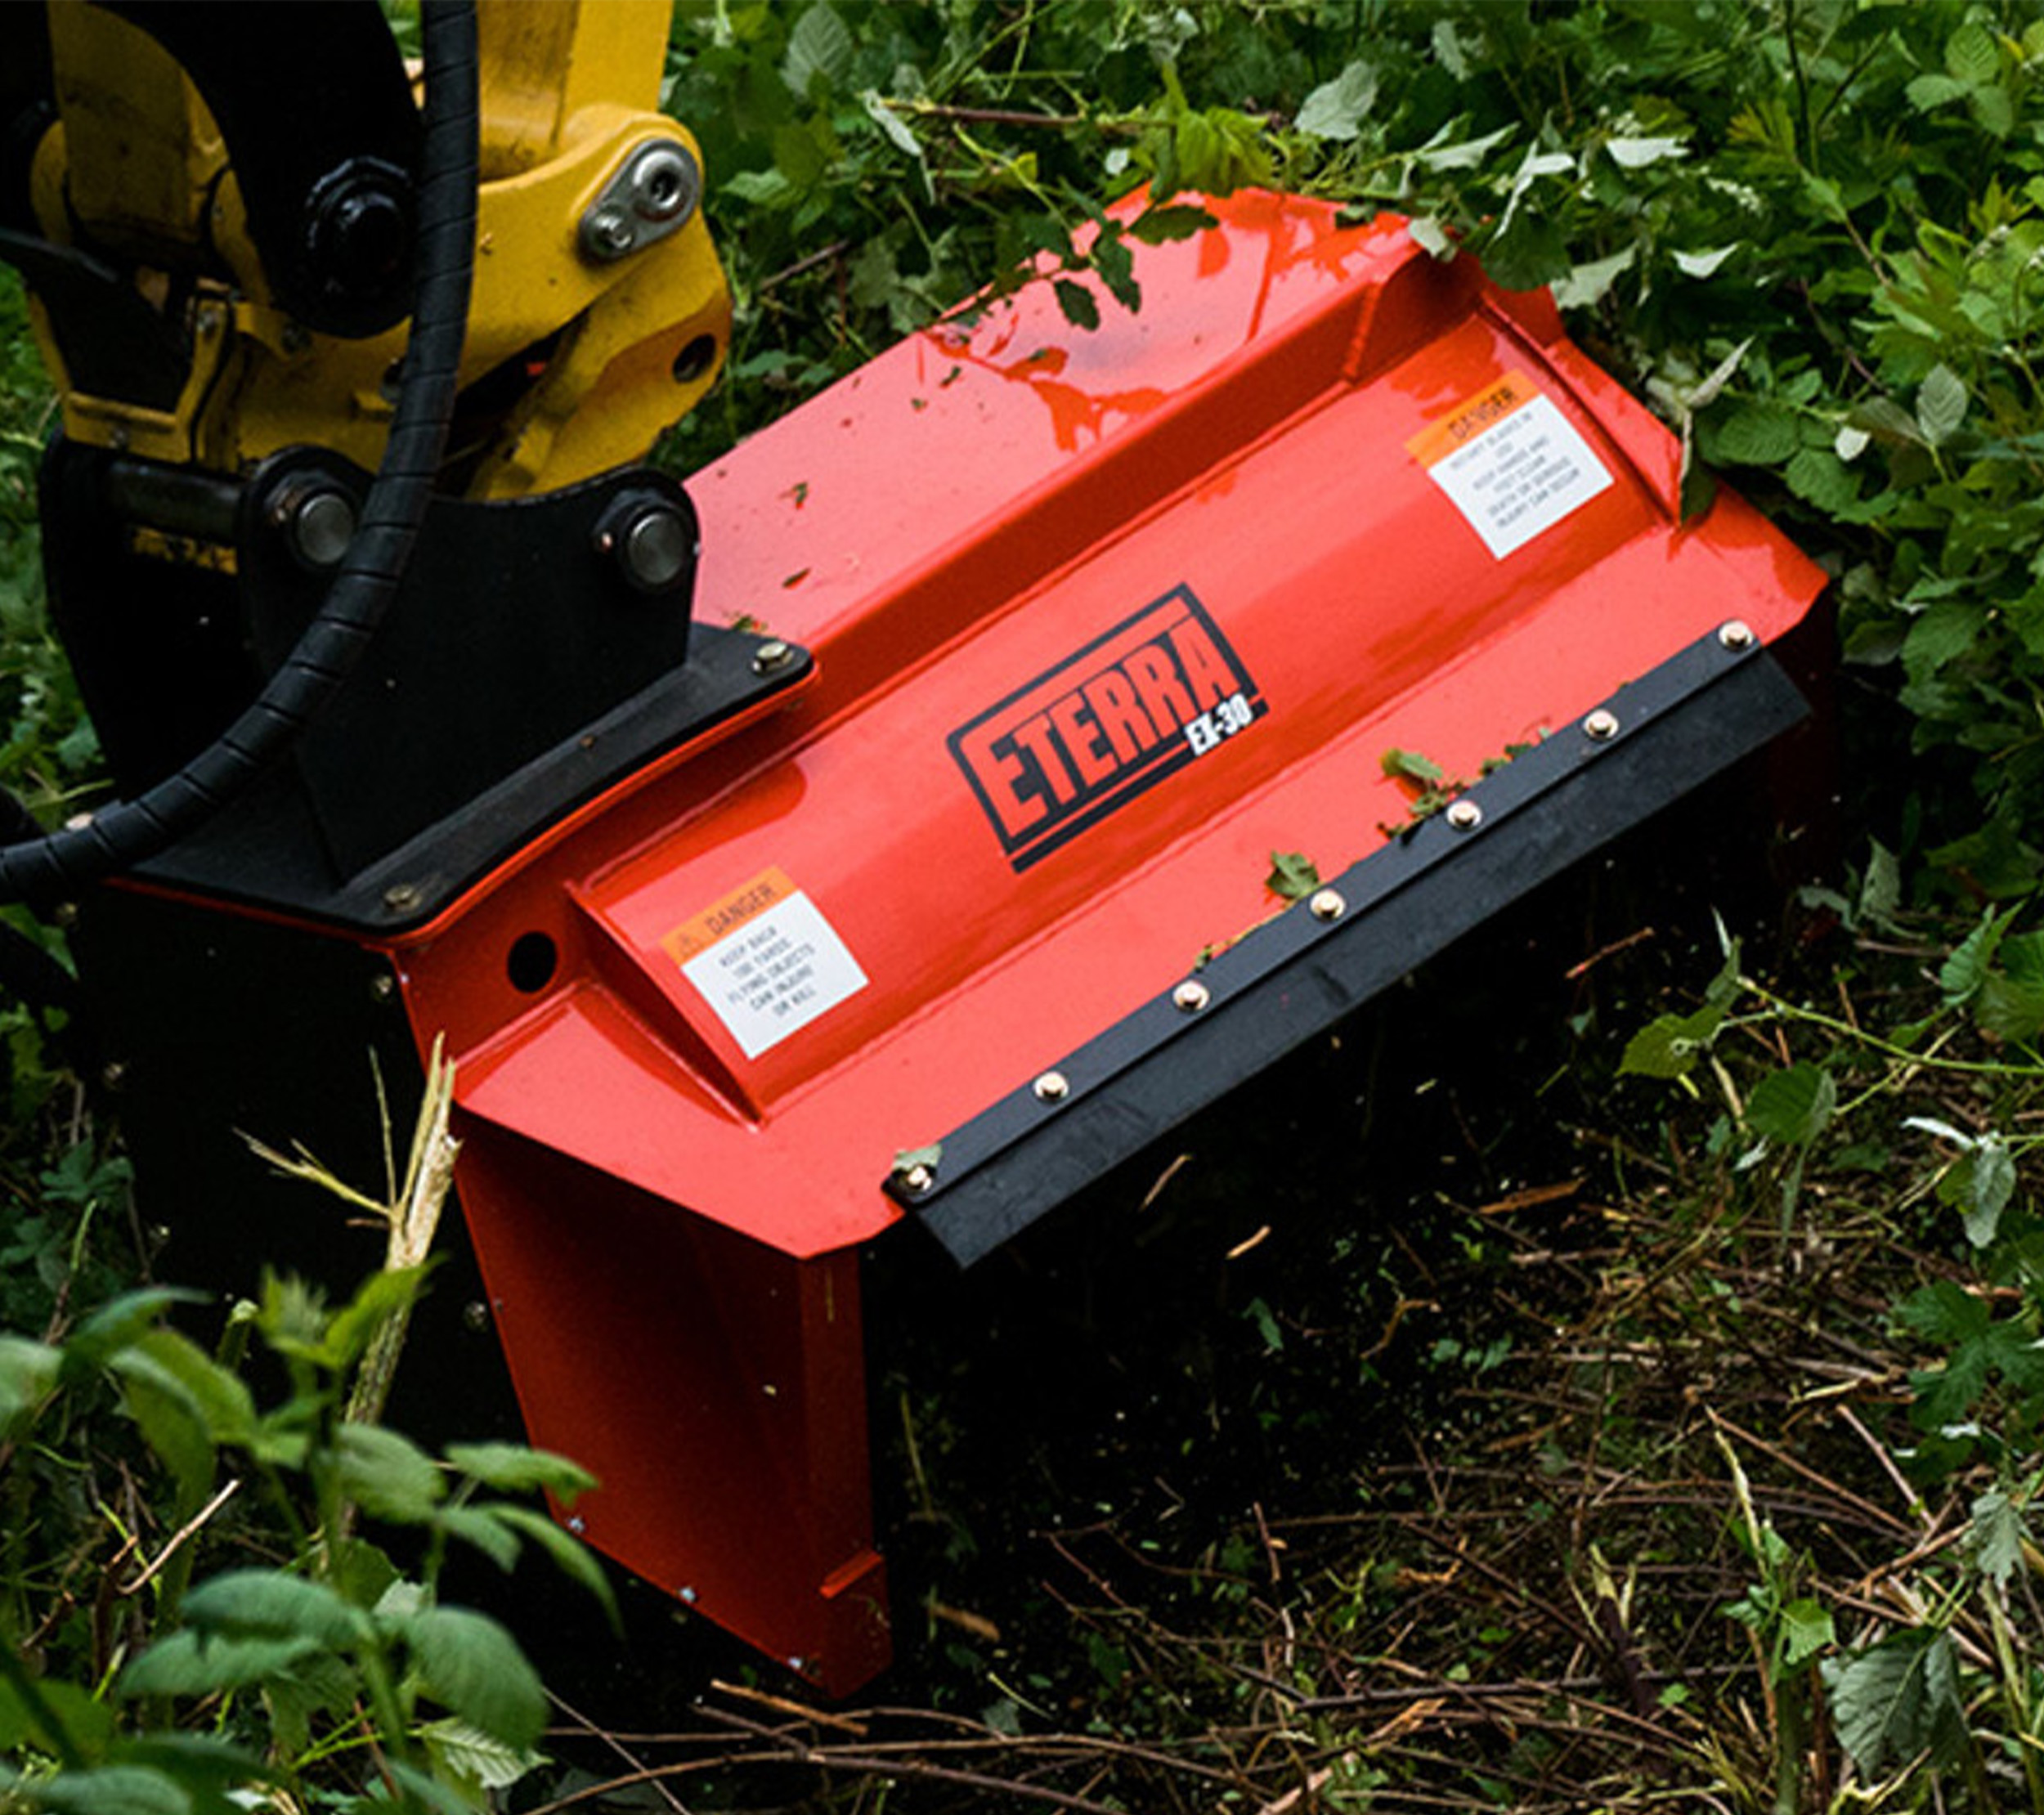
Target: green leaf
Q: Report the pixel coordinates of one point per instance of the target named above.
(1998, 1532)
(114, 1790)
(1636, 154)
(478, 1528)
(1989, 1176)
(1169, 221)
(473, 1668)
(1704, 264)
(821, 52)
(1408, 765)
(1898, 1698)
(1963, 974)
(1463, 154)
(1793, 1107)
(1292, 875)
(1928, 92)
(475, 1759)
(2010, 1007)
(219, 1395)
(1972, 56)
(1881, 893)
(388, 1475)
(170, 1425)
(190, 1663)
(1077, 303)
(1820, 478)
(386, 1294)
(1430, 236)
(1758, 435)
(1806, 1630)
(27, 1376)
(891, 124)
(763, 189)
(269, 1602)
(1944, 1311)
(116, 1325)
(514, 1468)
(320, 1686)
(571, 1555)
(1336, 109)
(1669, 1045)
(1586, 285)
(1941, 405)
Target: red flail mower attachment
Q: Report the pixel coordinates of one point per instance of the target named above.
(1054, 637)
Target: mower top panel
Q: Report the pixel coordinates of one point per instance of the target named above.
(1103, 619)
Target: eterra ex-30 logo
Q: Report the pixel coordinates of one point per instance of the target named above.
(1154, 694)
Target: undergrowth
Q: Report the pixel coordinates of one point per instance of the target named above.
(1644, 1411)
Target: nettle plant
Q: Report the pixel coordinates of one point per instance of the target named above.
(332, 1665)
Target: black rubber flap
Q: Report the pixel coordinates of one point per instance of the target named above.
(1653, 742)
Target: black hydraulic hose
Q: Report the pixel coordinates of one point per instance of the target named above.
(129, 832)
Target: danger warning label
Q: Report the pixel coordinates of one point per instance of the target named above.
(1158, 691)
(1511, 462)
(766, 960)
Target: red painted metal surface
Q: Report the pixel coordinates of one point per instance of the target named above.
(1101, 621)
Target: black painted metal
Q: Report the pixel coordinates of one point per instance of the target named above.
(522, 669)
(1686, 721)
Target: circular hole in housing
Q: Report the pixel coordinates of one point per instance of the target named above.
(534, 959)
(695, 359)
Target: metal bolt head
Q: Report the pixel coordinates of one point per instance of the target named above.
(382, 988)
(321, 526)
(1327, 904)
(65, 914)
(917, 1178)
(475, 1314)
(1601, 726)
(1465, 815)
(113, 1073)
(1191, 996)
(663, 183)
(772, 656)
(400, 898)
(686, 1594)
(1736, 635)
(1053, 1086)
(608, 233)
(656, 549)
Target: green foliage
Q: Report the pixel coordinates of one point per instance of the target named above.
(332, 1649)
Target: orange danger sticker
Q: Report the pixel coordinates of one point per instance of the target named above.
(1510, 462)
(765, 960)
(1438, 440)
(704, 930)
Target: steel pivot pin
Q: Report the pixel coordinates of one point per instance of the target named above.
(1465, 815)
(1053, 1086)
(1191, 996)
(1736, 635)
(1601, 726)
(1328, 904)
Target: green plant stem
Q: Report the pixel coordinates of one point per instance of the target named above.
(1780, 1008)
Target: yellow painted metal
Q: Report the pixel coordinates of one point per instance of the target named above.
(590, 361)
(144, 150)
